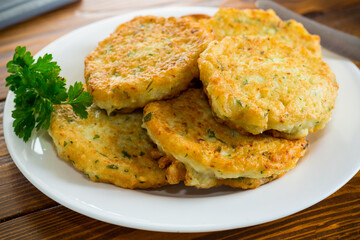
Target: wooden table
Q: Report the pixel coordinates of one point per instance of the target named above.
(26, 213)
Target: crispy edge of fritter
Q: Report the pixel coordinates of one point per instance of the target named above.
(177, 172)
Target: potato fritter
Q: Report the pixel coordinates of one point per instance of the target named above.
(257, 22)
(112, 149)
(258, 83)
(146, 59)
(184, 129)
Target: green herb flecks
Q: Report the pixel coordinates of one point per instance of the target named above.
(275, 28)
(220, 65)
(211, 134)
(239, 102)
(148, 86)
(87, 174)
(126, 154)
(112, 166)
(96, 137)
(147, 117)
(38, 87)
(266, 113)
(126, 94)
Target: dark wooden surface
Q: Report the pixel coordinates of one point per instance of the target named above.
(26, 213)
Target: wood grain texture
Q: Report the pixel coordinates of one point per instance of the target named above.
(3, 149)
(329, 219)
(17, 195)
(25, 213)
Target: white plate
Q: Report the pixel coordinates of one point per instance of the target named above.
(332, 159)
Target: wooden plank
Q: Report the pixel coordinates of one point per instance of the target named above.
(333, 217)
(60, 223)
(3, 149)
(17, 195)
(5, 159)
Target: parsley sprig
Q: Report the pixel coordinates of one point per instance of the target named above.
(38, 87)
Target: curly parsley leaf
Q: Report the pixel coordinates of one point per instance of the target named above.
(38, 87)
(79, 99)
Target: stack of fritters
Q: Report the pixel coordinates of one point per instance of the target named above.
(213, 153)
(265, 88)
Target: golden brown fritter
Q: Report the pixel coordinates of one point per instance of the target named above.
(257, 22)
(258, 84)
(184, 129)
(113, 149)
(146, 59)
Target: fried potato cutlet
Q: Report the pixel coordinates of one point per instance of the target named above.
(214, 154)
(258, 84)
(257, 22)
(146, 59)
(112, 149)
